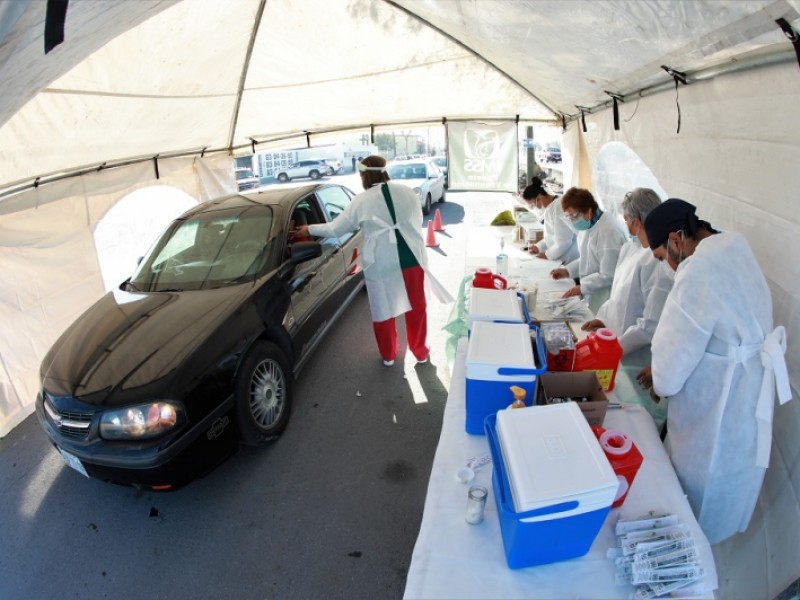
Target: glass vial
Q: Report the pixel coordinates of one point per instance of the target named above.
(476, 501)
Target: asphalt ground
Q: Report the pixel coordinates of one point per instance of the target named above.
(330, 510)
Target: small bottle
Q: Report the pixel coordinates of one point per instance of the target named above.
(476, 502)
(519, 397)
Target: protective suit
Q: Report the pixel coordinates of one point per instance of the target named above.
(638, 293)
(385, 285)
(599, 251)
(559, 241)
(717, 358)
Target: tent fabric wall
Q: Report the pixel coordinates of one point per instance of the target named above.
(735, 158)
(50, 271)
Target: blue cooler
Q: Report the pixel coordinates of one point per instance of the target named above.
(497, 306)
(500, 355)
(553, 485)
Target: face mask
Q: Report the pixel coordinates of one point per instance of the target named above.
(581, 224)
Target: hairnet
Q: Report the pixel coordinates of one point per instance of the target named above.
(671, 215)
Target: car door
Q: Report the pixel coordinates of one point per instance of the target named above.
(436, 181)
(334, 199)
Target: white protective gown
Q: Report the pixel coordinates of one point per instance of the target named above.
(599, 250)
(717, 358)
(560, 241)
(386, 288)
(638, 293)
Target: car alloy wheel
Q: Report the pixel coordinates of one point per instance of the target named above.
(314, 174)
(283, 177)
(263, 394)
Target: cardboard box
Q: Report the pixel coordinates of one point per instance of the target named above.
(575, 385)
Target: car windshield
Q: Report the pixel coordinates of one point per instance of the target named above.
(209, 250)
(244, 174)
(407, 171)
(441, 161)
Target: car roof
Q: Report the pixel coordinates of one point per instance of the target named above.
(283, 197)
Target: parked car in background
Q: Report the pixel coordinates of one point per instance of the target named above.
(246, 180)
(334, 166)
(164, 377)
(552, 154)
(421, 175)
(313, 169)
(441, 162)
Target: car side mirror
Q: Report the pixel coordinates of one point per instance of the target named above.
(303, 251)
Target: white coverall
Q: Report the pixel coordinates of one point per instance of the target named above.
(599, 250)
(560, 241)
(717, 358)
(638, 293)
(386, 288)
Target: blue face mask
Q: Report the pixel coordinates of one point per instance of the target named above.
(581, 224)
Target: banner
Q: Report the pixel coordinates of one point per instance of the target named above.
(482, 156)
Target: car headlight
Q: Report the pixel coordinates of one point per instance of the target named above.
(418, 190)
(140, 422)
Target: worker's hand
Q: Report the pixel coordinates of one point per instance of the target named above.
(533, 249)
(560, 273)
(542, 255)
(301, 231)
(593, 325)
(573, 291)
(645, 378)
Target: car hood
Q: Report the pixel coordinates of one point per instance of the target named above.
(412, 183)
(131, 339)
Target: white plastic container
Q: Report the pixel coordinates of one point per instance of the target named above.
(553, 485)
(499, 355)
(499, 306)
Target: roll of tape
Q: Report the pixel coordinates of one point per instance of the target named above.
(616, 443)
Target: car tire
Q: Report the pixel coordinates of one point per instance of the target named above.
(314, 174)
(263, 394)
(426, 210)
(444, 193)
(331, 171)
(283, 177)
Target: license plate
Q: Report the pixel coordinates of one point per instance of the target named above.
(74, 462)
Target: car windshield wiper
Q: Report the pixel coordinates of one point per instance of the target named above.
(170, 290)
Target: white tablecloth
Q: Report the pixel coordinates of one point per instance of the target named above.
(453, 559)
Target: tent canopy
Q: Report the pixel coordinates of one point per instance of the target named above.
(164, 77)
(150, 92)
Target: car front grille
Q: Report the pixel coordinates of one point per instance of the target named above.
(73, 424)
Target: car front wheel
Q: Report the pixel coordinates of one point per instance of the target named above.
(263, 394)
(426, 210)
(283, 177)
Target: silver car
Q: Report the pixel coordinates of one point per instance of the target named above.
(423, 176)
(313, 169)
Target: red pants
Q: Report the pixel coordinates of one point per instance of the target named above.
(416, 320)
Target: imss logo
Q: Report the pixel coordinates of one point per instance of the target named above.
(481, 150)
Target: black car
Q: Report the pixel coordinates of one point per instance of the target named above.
(163, 377)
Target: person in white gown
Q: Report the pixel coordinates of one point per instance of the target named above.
(719, 360)
(640, 286)
(599, 243)
(559, 241)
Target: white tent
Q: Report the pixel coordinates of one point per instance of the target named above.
(166, 91)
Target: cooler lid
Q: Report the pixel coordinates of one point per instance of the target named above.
(494, 305)
(552, 456)
(501, 344)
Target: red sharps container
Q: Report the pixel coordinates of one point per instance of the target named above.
(599, 352)
(624, 457)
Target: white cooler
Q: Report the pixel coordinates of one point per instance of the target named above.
(497, 306)
(499, 355)
(553, 484)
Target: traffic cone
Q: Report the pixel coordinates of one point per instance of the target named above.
(431, 243)
(437, 221)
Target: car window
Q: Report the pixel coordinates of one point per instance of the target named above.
(334, 199)
(211, 249)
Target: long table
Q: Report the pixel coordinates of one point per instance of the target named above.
(453, 559)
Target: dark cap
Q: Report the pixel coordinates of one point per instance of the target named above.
(671, 215)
